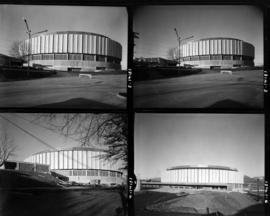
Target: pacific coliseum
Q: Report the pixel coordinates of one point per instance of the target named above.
(204, 176)
(218, 52)
(80, 164)
(73, 51)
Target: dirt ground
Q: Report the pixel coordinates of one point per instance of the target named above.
(100, 92)
(154, 203)
(242, 89)
(61, 203)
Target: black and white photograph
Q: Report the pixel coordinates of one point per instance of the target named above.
(198, 56)
(63, 164)
(134, 108)
(199, 164)
(63, 57)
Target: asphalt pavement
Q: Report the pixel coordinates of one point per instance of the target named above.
(99, 92)
(242, 89)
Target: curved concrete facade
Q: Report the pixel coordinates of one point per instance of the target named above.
(217, 52)
(204, 176)
(80, 164)
(72, 50)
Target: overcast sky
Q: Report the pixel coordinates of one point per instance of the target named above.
(165, 140)
(108, 21)
(155, 25)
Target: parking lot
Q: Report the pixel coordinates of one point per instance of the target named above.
(98, 92)
(241, 89)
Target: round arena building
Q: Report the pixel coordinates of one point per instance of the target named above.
(73, 51)
(80, 164)
(201, 176)
(217, 52)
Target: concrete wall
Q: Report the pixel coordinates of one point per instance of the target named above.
(202, 176)
(72, 42)
(217, 46)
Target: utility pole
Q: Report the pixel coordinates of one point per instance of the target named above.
(179, 44)
(28, 32)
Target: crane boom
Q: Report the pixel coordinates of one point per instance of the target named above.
(27, 27)
(39, 32)
(188, 38)
(178, 38)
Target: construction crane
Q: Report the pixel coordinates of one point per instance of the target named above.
(28, 32)
(179, 43)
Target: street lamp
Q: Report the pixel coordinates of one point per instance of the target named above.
(28, 32)
(179, 43)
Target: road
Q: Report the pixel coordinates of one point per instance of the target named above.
(100, 92)
(242, 89)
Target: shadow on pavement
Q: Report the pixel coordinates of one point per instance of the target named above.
(78, 103)
(230, 104)
(254, 210)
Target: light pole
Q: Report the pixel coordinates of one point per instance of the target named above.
(28, 32)
(179, 43)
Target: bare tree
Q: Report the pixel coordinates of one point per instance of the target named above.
(7, 148)
(110, 130)
(16, 50)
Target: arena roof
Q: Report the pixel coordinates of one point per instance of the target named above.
(202, 167)
(72, 32)
(73, 149)
(214, 38)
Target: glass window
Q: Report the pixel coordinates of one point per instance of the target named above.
(103, 173)
(47, 57)
(88, 57)
(36, 57)
(101, 58)
(226, 57)
(60, 57)
(235, 57)
(75, 56)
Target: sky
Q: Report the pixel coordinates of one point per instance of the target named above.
(25, 144)
(166, 140)
(155, 25)
(108, 21)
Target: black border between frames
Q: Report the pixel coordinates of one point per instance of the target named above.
(267, 101)
(131, 116)
(264, 4)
